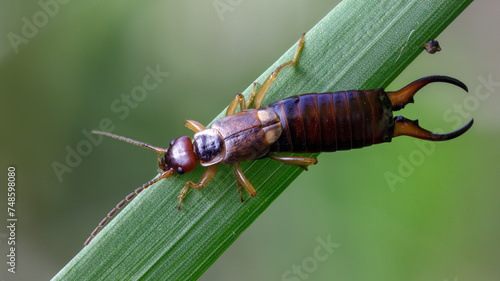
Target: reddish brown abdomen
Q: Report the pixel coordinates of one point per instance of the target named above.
(333, 121)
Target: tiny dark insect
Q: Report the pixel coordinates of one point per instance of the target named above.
(432, 46)
(305, 124)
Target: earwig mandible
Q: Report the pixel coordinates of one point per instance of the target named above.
(307, 123)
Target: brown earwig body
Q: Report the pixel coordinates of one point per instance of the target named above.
(345, 120)
(306, 123)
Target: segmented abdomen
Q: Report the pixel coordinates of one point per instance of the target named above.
(333, 121)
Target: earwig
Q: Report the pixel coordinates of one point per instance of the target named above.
(305, 123)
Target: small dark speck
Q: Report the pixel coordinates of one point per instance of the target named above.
(432, 46)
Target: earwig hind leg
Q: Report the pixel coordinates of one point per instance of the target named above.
(241, 180)
(259, 97)
(194, 126)
(205, 179)
(299, 161)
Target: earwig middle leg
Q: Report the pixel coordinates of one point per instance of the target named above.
(259, 97)
(241, 180)
(239, 99)
(240, 191)
(299, 161)
(205, 179)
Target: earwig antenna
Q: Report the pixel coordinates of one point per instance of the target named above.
(124, 201)
(143, 144)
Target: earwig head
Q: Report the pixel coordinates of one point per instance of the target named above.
(180, 156)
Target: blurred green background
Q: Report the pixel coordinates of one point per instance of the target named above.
(440, 223)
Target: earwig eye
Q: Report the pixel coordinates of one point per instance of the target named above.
(180, 171)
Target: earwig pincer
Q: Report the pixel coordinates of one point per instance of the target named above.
(307, 123)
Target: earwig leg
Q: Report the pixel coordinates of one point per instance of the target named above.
(240, 191)
(194, 126)
(299, 161)
(241, 180)
(259, 97)
(238, 100)
(205, 179)
(252, 95)
(159, 162)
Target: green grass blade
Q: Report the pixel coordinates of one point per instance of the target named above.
(358, 45)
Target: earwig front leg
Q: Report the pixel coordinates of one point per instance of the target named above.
(259, 97)
(241, 180)
(299, 161)
(205, 179)
(160, 162)
(194, 126)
